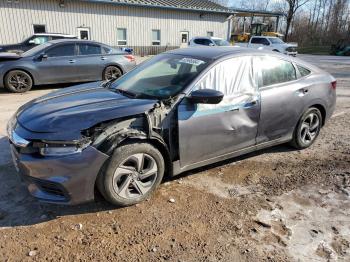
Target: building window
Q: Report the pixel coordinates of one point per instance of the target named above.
(39, 29)
(84, 33)
(121, 36)
(210, 33)
(155, 37)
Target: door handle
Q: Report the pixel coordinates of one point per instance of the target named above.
(303, 91)
(250, 104)
(103, 58)
(72, 61)
(233, 109)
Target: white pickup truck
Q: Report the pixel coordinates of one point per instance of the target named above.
(271, 43)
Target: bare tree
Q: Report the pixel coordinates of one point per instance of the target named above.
(293, 6)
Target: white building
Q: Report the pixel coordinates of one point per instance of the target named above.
(146, 26)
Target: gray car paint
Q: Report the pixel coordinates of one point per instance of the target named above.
(65, 69)
(186, 139)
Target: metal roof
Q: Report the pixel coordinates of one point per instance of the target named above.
(251, 12)
(218, 52)
(191, 5)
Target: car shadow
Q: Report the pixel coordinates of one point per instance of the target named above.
(19, 208)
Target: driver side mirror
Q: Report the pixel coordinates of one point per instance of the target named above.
(42, 57)
(266, 43)
(206, 96)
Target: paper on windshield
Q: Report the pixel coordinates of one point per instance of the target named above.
(191, 61)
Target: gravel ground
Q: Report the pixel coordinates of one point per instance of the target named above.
(273, 205)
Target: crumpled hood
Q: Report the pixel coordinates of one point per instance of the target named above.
(73, 109)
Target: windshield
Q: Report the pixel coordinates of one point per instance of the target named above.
(276, 41)
(36, 49)
(161, 77)
(221, 42)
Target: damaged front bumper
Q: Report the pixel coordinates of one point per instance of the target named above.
(62, 179)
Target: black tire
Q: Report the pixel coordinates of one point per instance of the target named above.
(18, 81)
(275, 50)
(107, 182)
(111, 72)
(299, 140)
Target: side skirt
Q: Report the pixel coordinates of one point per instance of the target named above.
(177, 169)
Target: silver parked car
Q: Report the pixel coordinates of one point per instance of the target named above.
(177, 111)
(62, 61)
(208, 41)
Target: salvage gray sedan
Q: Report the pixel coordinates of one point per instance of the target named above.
(177, 111)
(62, 61)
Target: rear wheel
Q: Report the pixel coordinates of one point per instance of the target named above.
(18, 81)
(132, 174)
(111, 73)
(308, 129)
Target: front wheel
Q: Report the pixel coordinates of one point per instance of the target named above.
(18, 81)
(132, 174)
(308, 129)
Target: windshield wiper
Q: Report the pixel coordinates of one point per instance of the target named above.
(108, 83)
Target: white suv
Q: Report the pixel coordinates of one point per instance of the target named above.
(208, 41)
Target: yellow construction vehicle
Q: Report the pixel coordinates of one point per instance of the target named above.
(258, 29)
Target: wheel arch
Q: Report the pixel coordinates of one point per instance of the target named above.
(159, 145)
(116, 65)
(323, 112)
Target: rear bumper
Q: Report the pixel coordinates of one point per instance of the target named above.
(66, 180)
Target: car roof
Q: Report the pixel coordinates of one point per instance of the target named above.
(262, 36)
(57, 41)
(214, 52)
(54, 34)
(207, 37)
(218, 52)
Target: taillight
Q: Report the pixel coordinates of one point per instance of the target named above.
(131, 58)
(334, 85)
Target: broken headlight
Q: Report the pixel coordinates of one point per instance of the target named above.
(61, 148)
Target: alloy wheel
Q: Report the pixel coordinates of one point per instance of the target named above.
(19, 81)
(112, 72)
(309, 128)
(135, 176)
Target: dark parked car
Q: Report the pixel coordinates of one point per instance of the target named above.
(63, 61)
(177, 111)
(33, 41)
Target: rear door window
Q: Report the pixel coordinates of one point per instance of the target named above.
(89, 49)
(274, 70)
(202, 41)
(61, 50)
